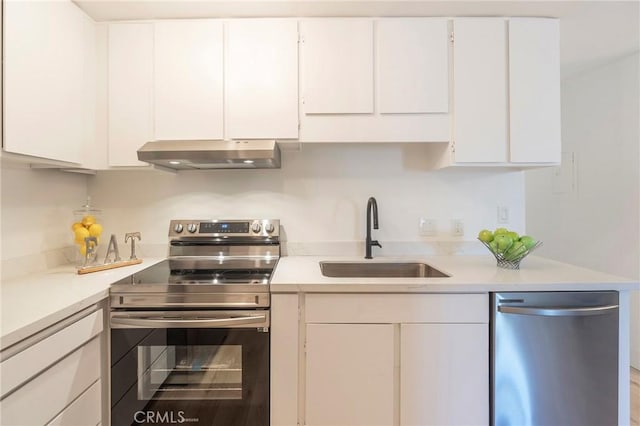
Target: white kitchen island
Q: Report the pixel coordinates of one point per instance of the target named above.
(403, 351)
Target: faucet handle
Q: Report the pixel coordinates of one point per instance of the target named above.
(376, 243)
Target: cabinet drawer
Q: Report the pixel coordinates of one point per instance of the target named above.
(28, 363)
(54, 389)
(397, 308)
(83, 411)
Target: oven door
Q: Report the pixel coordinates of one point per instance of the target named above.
(190, 367)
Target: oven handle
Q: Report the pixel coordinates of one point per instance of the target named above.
(147, 322)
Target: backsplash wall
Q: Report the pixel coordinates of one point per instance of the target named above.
(37, 211)
(320, 195)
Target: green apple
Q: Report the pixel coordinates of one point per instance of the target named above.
(485, 235)
(500, 231)
(504, 242)
(516, 250)
(494, 246)
(527, 241)
(514, 235)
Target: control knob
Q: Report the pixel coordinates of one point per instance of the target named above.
(178, 228)
(256, 227)
(269, 228)
(192, 227)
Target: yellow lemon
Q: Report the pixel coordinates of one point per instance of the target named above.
(80, 234)
(83, 247)
(88, 220)
(95, 230)
(76, 226)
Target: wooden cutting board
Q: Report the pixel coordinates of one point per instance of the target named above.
(106, 266)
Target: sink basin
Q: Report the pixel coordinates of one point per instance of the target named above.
(379, 270)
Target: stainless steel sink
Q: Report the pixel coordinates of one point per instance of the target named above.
(379, 270)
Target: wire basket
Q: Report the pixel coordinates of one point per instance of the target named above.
(506, 261)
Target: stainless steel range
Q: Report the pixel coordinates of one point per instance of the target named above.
(190, 335)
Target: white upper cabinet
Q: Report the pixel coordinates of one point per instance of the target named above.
(44, 79)
(412, 65)
(130, 94)
(506, 83)
(261, 79)
(374, 80)
(188, 79)
(480, 90)
(534, 90)
(337, 66)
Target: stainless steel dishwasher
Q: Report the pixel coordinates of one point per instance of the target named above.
(554, 359)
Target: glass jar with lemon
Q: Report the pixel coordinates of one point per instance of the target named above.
(87, 230)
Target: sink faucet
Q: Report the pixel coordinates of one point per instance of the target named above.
(371, 204)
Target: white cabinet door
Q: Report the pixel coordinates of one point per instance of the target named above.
(444, 377)
(349, 374)
(43, 79)
(188, 67)
(53, 390)
(480, 90)
(261, 79)
(130, 91)
(337, 64)
(534, 90)
(85, 410)
(412, 65)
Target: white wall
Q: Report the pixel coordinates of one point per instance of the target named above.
(37, 213)
(320, 195)
(597, 224)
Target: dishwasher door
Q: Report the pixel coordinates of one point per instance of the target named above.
(554, 359)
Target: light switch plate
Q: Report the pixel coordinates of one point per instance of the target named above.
(457, 228)
(503, 214)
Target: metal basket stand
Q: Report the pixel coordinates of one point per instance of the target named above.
(510, 263)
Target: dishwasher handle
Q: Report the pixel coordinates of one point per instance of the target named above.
(557, 312)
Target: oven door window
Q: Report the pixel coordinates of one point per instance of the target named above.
(190, 372)
(190, 376)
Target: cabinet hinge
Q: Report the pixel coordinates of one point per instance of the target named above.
(451, 37)
(453, 147)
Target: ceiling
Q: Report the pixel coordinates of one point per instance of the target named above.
(592, 32)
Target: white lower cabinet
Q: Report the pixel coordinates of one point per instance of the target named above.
(444, 378)
(58, 379)
(380, 359)
(349, 374)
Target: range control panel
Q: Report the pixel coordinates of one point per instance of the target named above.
(221, 228)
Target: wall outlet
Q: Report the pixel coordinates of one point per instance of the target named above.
(428, 227)
(457, 228)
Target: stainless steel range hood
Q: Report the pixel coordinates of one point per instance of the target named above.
(212, 154)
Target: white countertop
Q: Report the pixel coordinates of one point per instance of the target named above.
(36, 301)
(467, 274)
